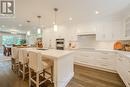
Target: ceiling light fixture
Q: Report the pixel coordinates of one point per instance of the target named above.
(28, 32)
(70, 19)
(55, 24)
(20, 25)
(42, 26)
(39, 29)
(97, 12)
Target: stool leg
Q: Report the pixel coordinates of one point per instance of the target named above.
(44, 73)
(19, 70)
(37, 79)
(23, 71)
(29, 77)
(52, 74)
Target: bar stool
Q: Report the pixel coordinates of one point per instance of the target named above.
(14, 59)
(39, 67)
(23, 62)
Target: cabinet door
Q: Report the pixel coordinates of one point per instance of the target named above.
(84, 58)
(111, 30)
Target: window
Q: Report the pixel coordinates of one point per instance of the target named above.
(12, 40)
(7, 40)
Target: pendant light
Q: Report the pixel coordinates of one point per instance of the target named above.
(55, 24)
(28, 32)
(39, 29)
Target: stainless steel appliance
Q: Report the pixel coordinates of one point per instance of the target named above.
(60, 44)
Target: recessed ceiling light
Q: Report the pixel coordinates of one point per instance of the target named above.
(42, 26)
(70, 18)
(96, 12)
(20, 25)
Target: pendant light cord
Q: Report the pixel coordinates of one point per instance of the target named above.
(55, 9)
(39, 20)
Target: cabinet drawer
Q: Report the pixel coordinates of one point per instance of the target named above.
(104, 60)
(108, 54)
(105, 63)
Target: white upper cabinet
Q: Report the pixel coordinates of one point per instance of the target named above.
(126, 24)
(109, 30)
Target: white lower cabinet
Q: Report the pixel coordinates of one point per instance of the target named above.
(99, 60)
(123, 69)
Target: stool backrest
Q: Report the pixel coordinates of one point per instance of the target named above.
(21, 56)
(35, 61)
(15, 52)
(25, 55)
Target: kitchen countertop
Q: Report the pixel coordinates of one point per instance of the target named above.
(124, 53)
(54, 53)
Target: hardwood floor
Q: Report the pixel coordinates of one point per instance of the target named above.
(84, 77)
(88, 77)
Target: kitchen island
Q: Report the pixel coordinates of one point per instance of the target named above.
(63, 65)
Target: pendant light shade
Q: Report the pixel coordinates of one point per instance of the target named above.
(55, 25)
(28, 33)
(39, 29)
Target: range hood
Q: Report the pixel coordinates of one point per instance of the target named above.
(86, 34)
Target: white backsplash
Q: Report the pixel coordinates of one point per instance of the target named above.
(90, 42)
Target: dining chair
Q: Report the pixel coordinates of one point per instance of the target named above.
(4, 50)
(15, 58)
(23, 62)
(39, 67)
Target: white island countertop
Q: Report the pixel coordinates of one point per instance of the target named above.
(55, 53)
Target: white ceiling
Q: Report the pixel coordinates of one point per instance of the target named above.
(79, 10)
